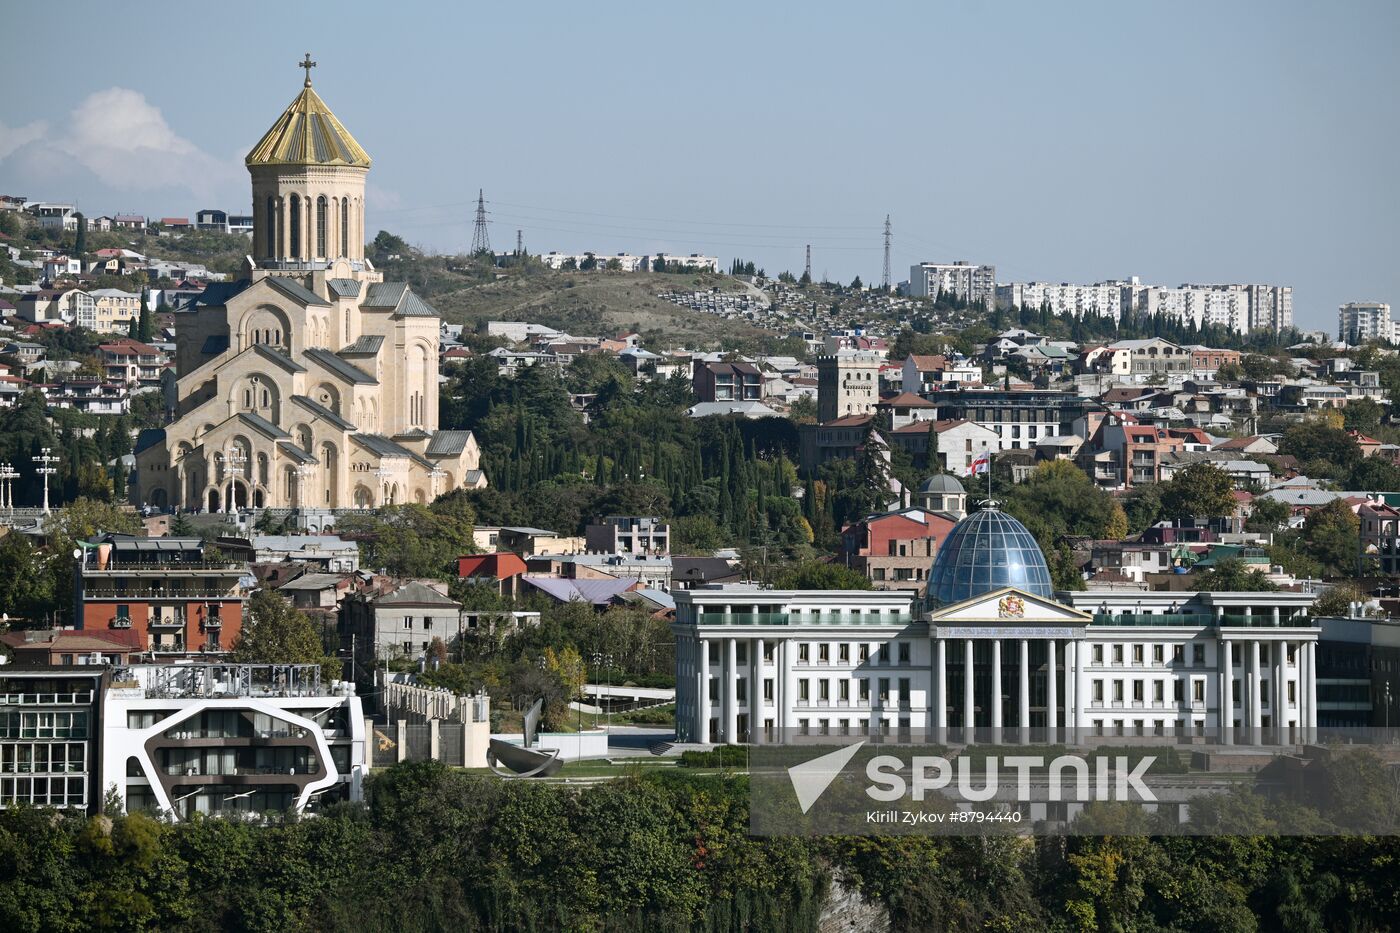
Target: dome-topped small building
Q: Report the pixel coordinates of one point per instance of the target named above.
(942, 493)
(983, 553)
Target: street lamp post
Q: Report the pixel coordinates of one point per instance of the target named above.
(8, 474)
(46, 468)
(234, 460)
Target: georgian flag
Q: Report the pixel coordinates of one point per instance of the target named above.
(982, 464)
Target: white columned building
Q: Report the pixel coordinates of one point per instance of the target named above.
(992, 654)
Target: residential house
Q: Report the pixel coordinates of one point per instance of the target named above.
(68, 647)
(726, 382)
(895, 550)
(905, 408)
(400, 623)
(629, 534)
(1380, 535)
(501, 571)
(960, 443)
(176, 599)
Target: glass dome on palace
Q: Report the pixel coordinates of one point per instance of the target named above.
(984, 552)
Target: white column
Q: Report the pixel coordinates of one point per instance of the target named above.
(1081, 686)
(702, 709)
(1071, 692)
(1052, 695)
(731, 690)
(1024, 694)
(969, 723)
(1256, 715)
(788, 688)
(1278, 703)
(996, 690)
(940, 695)
(1312, 691)
(1227, 698)
(757, 710)
(1293, 733)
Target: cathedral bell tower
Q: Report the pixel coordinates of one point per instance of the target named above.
(308, 189)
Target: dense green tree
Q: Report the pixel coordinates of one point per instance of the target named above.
(26, 585)
(1266, 515)
(816, 575)
(1202, 490)
(1233, 574)
(1331, 535)
(1374, 474)
(276, 633)
(1316, 444)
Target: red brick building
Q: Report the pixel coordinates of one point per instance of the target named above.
(895, 550)
(164, 590)
(501, 570)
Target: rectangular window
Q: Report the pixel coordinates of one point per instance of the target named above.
(884, 690)
(843, 691)
(885, 653)
(843, 653)
(904, 652)
(407, 622)
(1117, 654)
(1137, 691)
(823, 690)
(1098, 654)
(1178, 693)
(1098, 691)
(741, 690)
(768, 689)
(824, 653)
(1198, 655)
(1198, 691)
(1158, 691)
(1156, 654)
(863, 653)
(904, 690)
(1118, 691)
(802, 690)
(1137, 654)
(803, 653)
(1178, 653)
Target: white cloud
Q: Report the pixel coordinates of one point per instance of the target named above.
(119, 139)
(12, 139)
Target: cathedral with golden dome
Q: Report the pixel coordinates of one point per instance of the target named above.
(310, 382)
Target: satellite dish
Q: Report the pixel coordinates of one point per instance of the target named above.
(77, 553)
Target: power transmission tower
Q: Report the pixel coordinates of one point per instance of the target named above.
(481, 240)
(886, 282)
(519, 242)
(807, 270)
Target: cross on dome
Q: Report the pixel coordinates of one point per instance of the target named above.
(308, 64)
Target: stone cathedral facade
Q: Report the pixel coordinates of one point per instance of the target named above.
(310, 382)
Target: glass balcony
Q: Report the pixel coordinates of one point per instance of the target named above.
(1199, 620)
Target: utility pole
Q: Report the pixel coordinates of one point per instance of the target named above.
(886, 281)
(481, 240)
(46, 468)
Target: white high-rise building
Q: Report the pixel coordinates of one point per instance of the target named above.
(1240, 308)
(962, 279)
(1359, 321)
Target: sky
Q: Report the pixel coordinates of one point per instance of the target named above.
(1070, 141)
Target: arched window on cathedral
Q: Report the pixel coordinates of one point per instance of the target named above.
(345, 229)
(270, 246)
(247, 398)
(321, 226)
(294, 228)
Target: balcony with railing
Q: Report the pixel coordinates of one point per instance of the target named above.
(73, 698)
(1200, 620)
(116, 568)
(159, 590)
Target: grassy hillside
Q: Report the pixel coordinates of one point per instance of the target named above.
(584, 303)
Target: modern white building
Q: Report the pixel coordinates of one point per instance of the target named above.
(245, 739)
(1240, 308)
(991, 653)
(968, 282)
(1360, 321)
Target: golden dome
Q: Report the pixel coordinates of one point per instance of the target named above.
(308, 133)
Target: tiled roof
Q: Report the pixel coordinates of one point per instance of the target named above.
(335, 364)
(367, 345)
(344, 288)
(448, 443)
(323, 412)
(281, 359)
(295, 291)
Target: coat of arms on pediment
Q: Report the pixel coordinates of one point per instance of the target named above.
(1011, 606)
